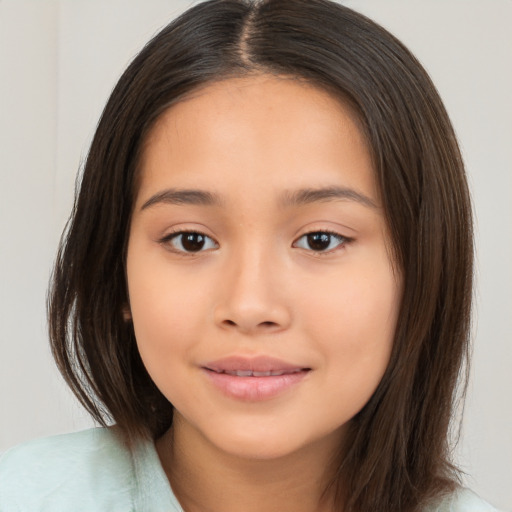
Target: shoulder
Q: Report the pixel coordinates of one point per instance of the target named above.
(84, 469)
(462, 500)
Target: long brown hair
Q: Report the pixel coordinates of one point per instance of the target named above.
(397, 454)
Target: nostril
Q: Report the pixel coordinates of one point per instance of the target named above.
(265, 325)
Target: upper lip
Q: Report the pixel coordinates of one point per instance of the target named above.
(258, 364)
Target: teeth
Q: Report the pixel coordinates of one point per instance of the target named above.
(250, 373)
(243, 373)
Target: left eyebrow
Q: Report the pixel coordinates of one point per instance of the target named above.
(313, 195)
(182, 196)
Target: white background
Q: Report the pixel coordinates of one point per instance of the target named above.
(58, 62)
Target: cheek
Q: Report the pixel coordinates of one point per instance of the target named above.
(353, 322)
(167, 311)
(355, 300)
(167, 329)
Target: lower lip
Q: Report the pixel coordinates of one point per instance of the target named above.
(254, 389)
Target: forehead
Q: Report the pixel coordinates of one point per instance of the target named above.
(278, 128)
(259, 93)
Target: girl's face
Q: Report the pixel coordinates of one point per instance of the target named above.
(260, 283)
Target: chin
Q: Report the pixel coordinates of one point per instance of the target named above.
(260, 448)
(267, 443)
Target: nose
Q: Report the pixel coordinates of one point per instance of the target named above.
(252, 297)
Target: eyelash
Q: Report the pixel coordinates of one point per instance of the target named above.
(169, 238)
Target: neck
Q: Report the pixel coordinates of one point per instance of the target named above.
(205, 479)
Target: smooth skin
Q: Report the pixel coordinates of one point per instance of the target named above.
(281, 250)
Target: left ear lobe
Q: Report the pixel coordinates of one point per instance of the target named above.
(127, 314)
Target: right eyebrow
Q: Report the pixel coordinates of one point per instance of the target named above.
(334, 193)
(182, 196)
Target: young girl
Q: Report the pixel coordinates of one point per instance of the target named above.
(266, 279)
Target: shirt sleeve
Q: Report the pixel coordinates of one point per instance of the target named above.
(85, 471)
(462, 500)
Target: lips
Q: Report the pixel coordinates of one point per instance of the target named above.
(260, 366)
(251, 373)
(254, 378)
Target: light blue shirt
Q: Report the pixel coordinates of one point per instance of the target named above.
(93, 471)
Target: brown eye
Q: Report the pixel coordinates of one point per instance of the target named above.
(320, 241)
(190, 241)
